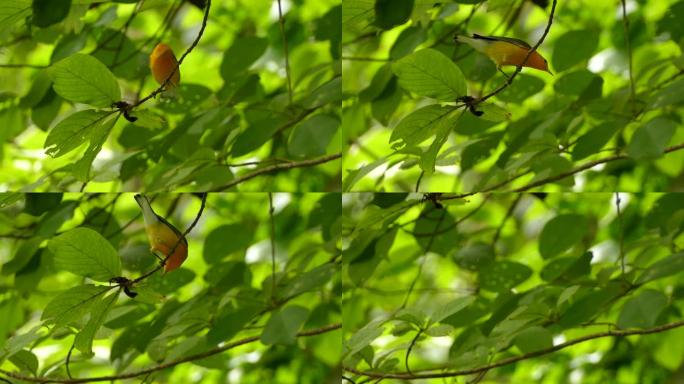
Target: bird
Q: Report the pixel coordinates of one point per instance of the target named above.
(505, 51)
(166, 242)
(162, 63)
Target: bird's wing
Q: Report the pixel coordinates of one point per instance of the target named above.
(518, 42)
(174, 229)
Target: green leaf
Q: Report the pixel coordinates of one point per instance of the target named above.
(48, 12)
(643, 310)
(39, 203)
(363, 337)
(572, 48)
(442, 131)
(25, 360)
(534, 338)
(241, 55)
(312, 136)
(650, 140)
(591, 142)
(562, 233)
(225, 240)
(436, 231)
(39, 88)
(310, 280)
(450, 308)
(84, 79)
(493, 112)
(81, 169)
(521, 89)
(407, 41)
(503, 275)
(12, 11)
(474, 257)
(670, 95)
(672, 21)
(480, 149)
(431, 74)
(588, 306)
(84, 339)
(71, 304)
(420, 124)
(45, 112)
(668, 266)
(575, 83)
(73, 131)
(229, 324)
(86, 253)
(390, 13)
(283, 325)
(19, 341)
(256, 135)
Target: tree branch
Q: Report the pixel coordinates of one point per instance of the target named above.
(515, 359)
(625, 23)
(281, 22)
(198, 356)
(278, 167)
(557, 177)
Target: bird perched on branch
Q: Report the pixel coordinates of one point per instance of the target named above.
(166, 242)
(162, 63)
(505, 51)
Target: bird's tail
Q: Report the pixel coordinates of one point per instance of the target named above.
(148, 214)
(475, 42)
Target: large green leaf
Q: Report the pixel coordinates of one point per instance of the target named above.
(46, 13)
(86, 253)
(12, 11)
(572, 48)
(533, 339)
(227, 239)
(649, 140)
(242, 53)
(503, 275)
(84, 339)
(561, 233)
(420, 124)
(71, 304)
(312, 136)
(73, 131)
(84, 79)
(642, 310)
(283, 325)
(668, 266)
(431, 74)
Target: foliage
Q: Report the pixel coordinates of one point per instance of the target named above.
(59, 304)
(77, 72)
(407, 129)
(453, 286)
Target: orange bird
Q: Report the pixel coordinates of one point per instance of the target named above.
(505, 51)
(162, 63)
(163, 237)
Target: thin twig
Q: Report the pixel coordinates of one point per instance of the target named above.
(625, 23)
(515, 359)
(622, 234)
(273, 266)
(173, 363)
(410, 347)
(281, 22)
(529, 53)
(356, 58)
(420, 177)
(23, 66)
(425, 255)
(509, 212)
(278, 167)
(180, 61)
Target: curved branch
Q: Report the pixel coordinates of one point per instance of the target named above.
(278, 167)
(515, 359)
(519, 67)
(553, 178)
(198, 356)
